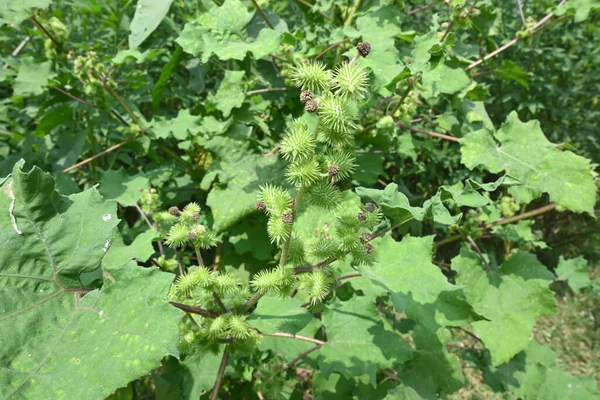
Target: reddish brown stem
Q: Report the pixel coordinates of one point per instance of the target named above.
(90, 159)
(327, 50)
(430, 133)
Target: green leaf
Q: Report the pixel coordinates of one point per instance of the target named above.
(275, 314)
(418, 287)
(380, 28)
(148, 15)
(163, 79)
(125, 189)
(396, 205)
(536, 374)
(575, 272)
(234, 198)
(357, 342)
(510, 299)
(16, 11)
(67, 334)
(32, 78)
(181, 127)
(524, 153)
(222, 31)
(581, 8)
(140, 249)
(433, 368)
(200, 373)
(421, 54)
(65, 236)
(444, 79)
(513, 72)
(231, 92)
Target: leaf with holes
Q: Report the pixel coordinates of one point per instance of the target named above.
(55, 332)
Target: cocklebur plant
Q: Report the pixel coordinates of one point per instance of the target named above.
(320, 159)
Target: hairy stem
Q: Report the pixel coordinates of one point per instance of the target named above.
(219, 381)
(286, 246)
(199, 256)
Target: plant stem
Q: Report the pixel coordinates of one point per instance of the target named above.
(219, 381)
(47, 33)
(430, 133)
(279, 89)
(199, 256)
(402, 98)
(90, 159)
(152, 227)
(327, 50)
(521, 13)
(286, 246)
(353, 11)
(114, 94)
(504, 221)
(179, 264)
(262, 14)
(220, 303)
(304, 354)
(480, 254)
(194, 310)
(307, 4)
(416, 10)
(299, 337)
(515, 40)
(250, 302)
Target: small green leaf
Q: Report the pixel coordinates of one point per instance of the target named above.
(181, 127)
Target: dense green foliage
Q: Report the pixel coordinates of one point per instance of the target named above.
(251, 199)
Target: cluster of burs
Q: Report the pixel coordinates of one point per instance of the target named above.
(320, 151)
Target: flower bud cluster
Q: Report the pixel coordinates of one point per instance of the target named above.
(187, 229)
